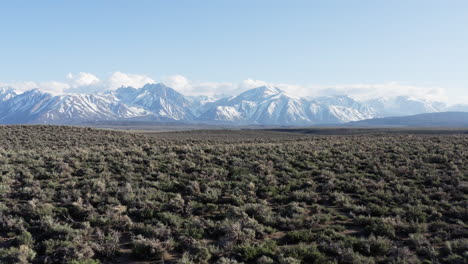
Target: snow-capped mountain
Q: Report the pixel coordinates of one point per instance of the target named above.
(156, 102)
(35, 106)
(272, 106)
(339, 109)
(164, 103)
(6, 93)
(86, 107)
(23, 108)
(199, 103)
(402, 105)
(262, 105)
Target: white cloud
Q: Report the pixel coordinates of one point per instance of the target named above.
(294, 89)
(83, 82)
(189, 87)
(54, 87)
(249, 84)
(119, 79)
(88, 83)
(22, 86)
(356, 91)
(217, 88)
(391, 89)
(178, 82)
(82, 79)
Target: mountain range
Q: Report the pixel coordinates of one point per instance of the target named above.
(263, 105)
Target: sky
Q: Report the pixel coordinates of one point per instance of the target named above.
(360, 47)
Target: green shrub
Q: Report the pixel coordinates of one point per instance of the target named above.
(17, 255)
(224, 260)
(380, 228)
(60, 251)
(25, 238)
(107, 244)
(145, 248)
(252, 252)
(294, 237)
(374, 246)
(85, 261)
(305, 253)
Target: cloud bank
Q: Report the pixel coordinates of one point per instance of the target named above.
(360, 92)
(84, 82)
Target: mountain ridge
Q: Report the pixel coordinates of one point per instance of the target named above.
(264, 105)
(439, 119)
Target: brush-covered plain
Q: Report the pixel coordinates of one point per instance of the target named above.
(80, 195)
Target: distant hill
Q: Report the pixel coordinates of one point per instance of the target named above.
(441, 119)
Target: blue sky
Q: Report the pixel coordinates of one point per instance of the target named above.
(420, 45)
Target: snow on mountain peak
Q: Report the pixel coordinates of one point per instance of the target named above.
(7, 93)
(157, 102)
(259, 92)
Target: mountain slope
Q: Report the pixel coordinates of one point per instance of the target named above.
(272, 106)
(24, 108)
(7, 93)
(262, 105)
(441, 119)
(38, 107)
(82, 107)
(403, 105)
(338, 109)
(163, 102)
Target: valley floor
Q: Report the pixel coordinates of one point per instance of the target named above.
(82, 195)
